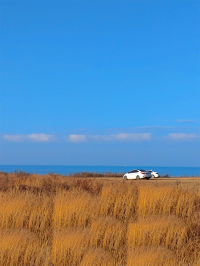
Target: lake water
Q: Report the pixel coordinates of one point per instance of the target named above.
(65, 170)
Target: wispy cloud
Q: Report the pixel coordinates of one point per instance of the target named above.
(123, 137)
(39, 137)
(12, 137)
(133, 136)
(77, 138)
(33, 137)
(185, 121)
(182, 136)
(115, 137)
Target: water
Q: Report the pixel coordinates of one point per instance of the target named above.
(65, 170)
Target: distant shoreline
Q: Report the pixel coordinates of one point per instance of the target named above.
(90, 174)
(99, 170)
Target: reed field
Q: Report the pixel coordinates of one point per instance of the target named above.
(55, 220)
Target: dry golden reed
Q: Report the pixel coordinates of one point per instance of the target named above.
(119, 201)
(97, 257)
(165, 200)
(20, 247)
(74, 208)
(110, 234)
(25, 210)
(156, 230)
(151, 256)
(56, 220)
(69, 246)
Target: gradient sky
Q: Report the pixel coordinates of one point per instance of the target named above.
(100, 82)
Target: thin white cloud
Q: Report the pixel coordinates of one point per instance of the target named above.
(77, 138)
(123, 137)
(39, 137)
(133, 136)
(12, 137)
(185, 121)
(33, 137)
(115, 137)
(182, 136)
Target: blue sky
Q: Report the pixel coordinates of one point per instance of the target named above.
(100, 82)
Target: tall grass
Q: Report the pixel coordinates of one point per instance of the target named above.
(19, 247)
(110, 234)
(74, 208)
(69, 246)
(168, 231)
(119, 201)
(97, 257)
(151, 256)
(57, 220)
(26, 210)
(166, 200)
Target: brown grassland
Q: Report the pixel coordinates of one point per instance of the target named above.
(55, 220)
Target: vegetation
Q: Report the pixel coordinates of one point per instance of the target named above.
(55, 220)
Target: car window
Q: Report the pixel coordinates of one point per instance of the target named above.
(133, 171)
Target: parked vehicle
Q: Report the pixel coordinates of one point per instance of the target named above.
(137, 174)
(154, 174)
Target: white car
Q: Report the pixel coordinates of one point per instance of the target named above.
(137, 174)
(154, 174)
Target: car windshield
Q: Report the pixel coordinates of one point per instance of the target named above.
(133, 171)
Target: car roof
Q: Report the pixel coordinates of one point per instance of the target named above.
(136, 170)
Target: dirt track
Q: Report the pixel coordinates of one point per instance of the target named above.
(190, 182)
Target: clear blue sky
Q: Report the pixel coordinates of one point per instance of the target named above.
(100, 82)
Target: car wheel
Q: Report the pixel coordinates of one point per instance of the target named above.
(153, 176)
(125, 177)
(138, 177)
